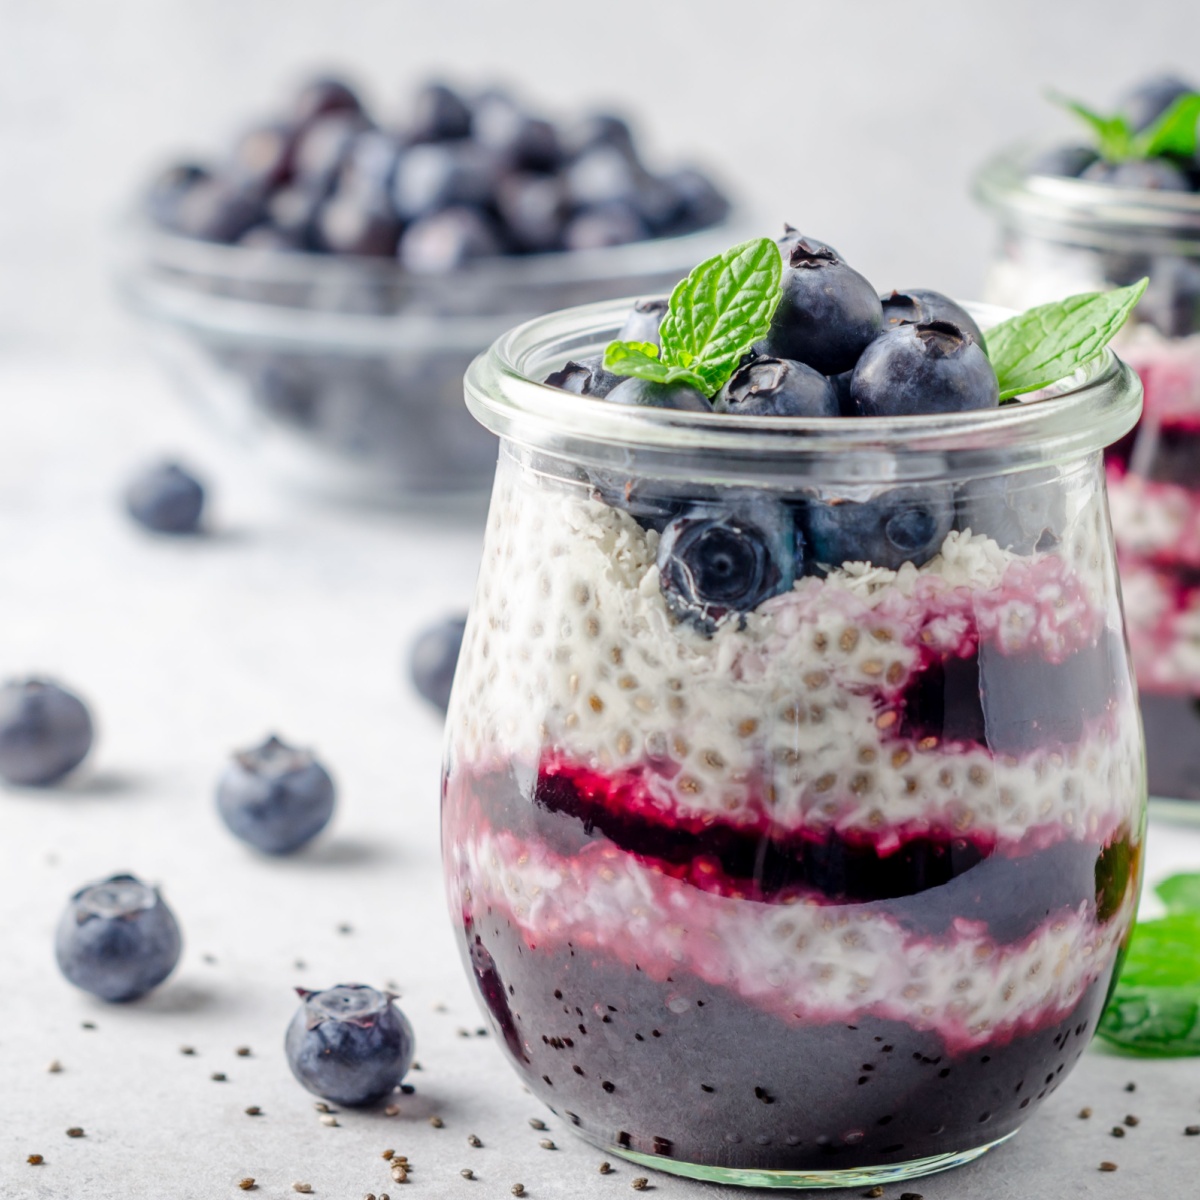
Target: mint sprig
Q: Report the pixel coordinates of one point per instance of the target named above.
(1047, 343)
(1175, 133)
(714, 316)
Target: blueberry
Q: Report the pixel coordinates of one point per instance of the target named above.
(605, 174)
(534, 210)
(1067, 161)
(699, 203)
(1146, 174)
(165, 498)
(1021, 512)
(358, 220)
(275, 797)
(448, 240)
(349, 1044)
(216, 210)
(433, 658)
(371, 161)
(323, 95)
(613, 224)
(262, 157)
(919, 306)
(929, 368)
(598, 130)
(1172, 300)
(269, 237)
(779, 387)
(523, 141)
(724, 558)
(585, 377)
(168, 189)
(293, 210)
(828, 312)
(643, 322)
(45, 732)
(324, 148)
(898, 525)
(431, 178)
(439, 114)
(659, 395)
(117, 939)
(1144, 104)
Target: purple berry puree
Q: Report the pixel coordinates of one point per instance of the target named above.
(653, 1057)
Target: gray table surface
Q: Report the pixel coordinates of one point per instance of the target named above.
(294, 619)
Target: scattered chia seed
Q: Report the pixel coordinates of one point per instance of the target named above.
(1192, 1131)
(254, 1111)
(436, 1122)
(537, 1123)
(345, 928)
(321, 1106)
(302, 1187)
(606, 1168)
(911, 1196)
(87, 1025)
(399, 1173)
(247, 1184)
(517, 1189)
(218, 1077)
(74, 1131)
(211, 959)
(463, 1032)
(1131, 1087)
(384, 1196)
(1132, 1121)
(388, 1154)
(243, 1052)
(875, 1191)
(1084, 1113)
(407, 1089)
(369, 1196)
(547, 1144)
(473, 1140)
(467, 1173)
(300, 964)
(330, 1121)
(54, 1067)
(35, 1160)
(416, 1066)
(392, 1110)
(1108, 1166)
(640, 1184)
(1117, 1131)
(188, 1050)
(481, 1032)
(440, 1008)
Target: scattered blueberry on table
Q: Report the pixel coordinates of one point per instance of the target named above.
(166, 498)
(275, 797)
(349, 1044)
(465, 176)
(433, 657)
(117, 939)
(45, 732)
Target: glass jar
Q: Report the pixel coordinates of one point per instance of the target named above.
(823, 880)
(1062, 236)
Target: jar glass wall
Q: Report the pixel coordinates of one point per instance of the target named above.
(824, 881)
(1062, 236)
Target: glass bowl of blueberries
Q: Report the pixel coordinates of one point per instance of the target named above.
(321, 287)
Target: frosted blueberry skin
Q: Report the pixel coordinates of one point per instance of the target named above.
(275, 797)
(433, 658)
(45, 732)
(165, 498)
(349, 1044)
(117, 939)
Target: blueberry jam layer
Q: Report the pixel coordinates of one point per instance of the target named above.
(678, 1067)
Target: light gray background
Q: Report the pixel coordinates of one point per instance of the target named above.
(859, 120)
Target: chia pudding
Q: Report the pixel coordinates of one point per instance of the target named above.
(827, 887)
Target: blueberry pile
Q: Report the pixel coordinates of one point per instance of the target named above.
(835, 349)
(464, 177)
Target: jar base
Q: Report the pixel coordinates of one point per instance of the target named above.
(856, 1177)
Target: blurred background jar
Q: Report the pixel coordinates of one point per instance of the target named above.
(1070, 224)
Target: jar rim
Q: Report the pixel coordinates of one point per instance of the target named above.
(1077, 416)
(1091, 213)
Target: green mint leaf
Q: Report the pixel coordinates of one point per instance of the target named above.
(642, 359)
(1114, 137)
(1173, 133)
(1155, 1007)
(1045, 344)
(721, 309)
(1180, 893)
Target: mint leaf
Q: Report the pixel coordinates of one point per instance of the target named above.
(721, 309)
(641, 359)
(1044, 344)
(1180, 893)
(1172, 133)
(1155, 1007)
(1114, 137)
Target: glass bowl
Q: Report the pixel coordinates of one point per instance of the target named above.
(344, 376)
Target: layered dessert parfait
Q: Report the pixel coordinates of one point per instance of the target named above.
(1079, 217)
(793, 825)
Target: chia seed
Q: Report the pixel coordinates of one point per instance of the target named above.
(35, 1160)
(467, 1173)
(254, 1111)
(330, 1121)
(1192, 1131)
(388, 1154)
(875, 1191)
(246, 1184)
(472, 1140)
(1117, 1131)
(392, 1110)
(188, 1050)
(75, 1132)
(1108, 1166)
(1132, 1121)
(305, 1188)
(243, 1052)
(1084, 1113)
(436, 1122)
(547, 1144)
(606, 1168)
(537, 1123)
(1131, 1087)
(640, 1184)
(54, 1067)
(218, 1077)
(517, 1189)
